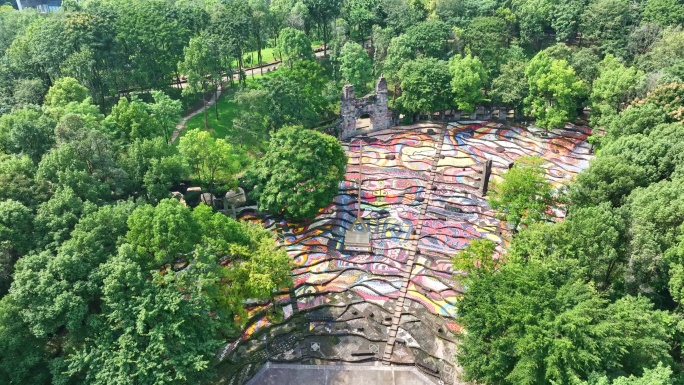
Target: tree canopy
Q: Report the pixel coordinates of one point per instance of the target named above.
(106, 280)
(299, 174)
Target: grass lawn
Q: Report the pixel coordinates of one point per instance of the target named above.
(268, 55)
(227, 110)
(222, 126)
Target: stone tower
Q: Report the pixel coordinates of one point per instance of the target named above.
(381, 116)
(375, 105)
(348, 111)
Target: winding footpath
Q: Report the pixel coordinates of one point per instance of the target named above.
(250, 72)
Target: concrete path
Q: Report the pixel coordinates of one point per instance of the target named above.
(181, 126)
(287, 374)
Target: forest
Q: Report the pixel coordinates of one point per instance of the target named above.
(106, 278)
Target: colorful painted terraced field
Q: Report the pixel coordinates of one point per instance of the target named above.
(342, 306)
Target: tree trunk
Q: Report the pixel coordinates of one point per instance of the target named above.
(216, 101)
(325, 40)
(240, 69)
(204, 102)
(259, 58)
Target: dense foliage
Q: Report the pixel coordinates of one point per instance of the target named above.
(596, 298)
(299, 174)
(105, 280)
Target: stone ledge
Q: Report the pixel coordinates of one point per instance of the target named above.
(292, 374)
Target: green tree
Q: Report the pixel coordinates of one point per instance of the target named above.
(356, 67)
(299, 17)
(585, 62)
(258, 268)
(148, 331)
(362, 15)
(151, 36)
(163, 233)
(16, 227)
(166, 112)
(487, 37)
(288, 103)
(656, 228)
(661, 52)
(524, 195)
(554, 91)
(402, 14)
(131, 120)
(642, 39)
(323, 13)
(279, 10)
(468, 81)
(23, 359)
(64, 91)
(663, 12)
(154, 166)
(276, 102)
(212, 161)
(608, 24)
(608, 179)
(252, 123)
(659, 375)
(429, 38)
(425, 85)
(399, 52)
(56, 218)
(594, 237)
(85, 162)
(424, 40)
(566, 18)
(534, 19)
(381, 40)
(27, 131)
(260, 20)
(39, 51)
(294, 45)
(59, 291)
(17, 178)
(13, 23)
(636, 120)
(522, 321)
(510, 87)
(299, 174)
(29, 91)
(200, 59)
(612, 90)
(311, 80)
(477, 258)
(231, 24)
(163, 174)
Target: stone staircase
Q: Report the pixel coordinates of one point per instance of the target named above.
(413, 250)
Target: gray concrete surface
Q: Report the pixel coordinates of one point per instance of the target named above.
(284, 374)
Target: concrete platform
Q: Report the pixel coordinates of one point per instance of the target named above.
(286, 374)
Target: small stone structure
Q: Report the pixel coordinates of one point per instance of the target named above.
(375, 105)
(233, 199)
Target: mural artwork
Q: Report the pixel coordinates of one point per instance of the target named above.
(420, 198)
